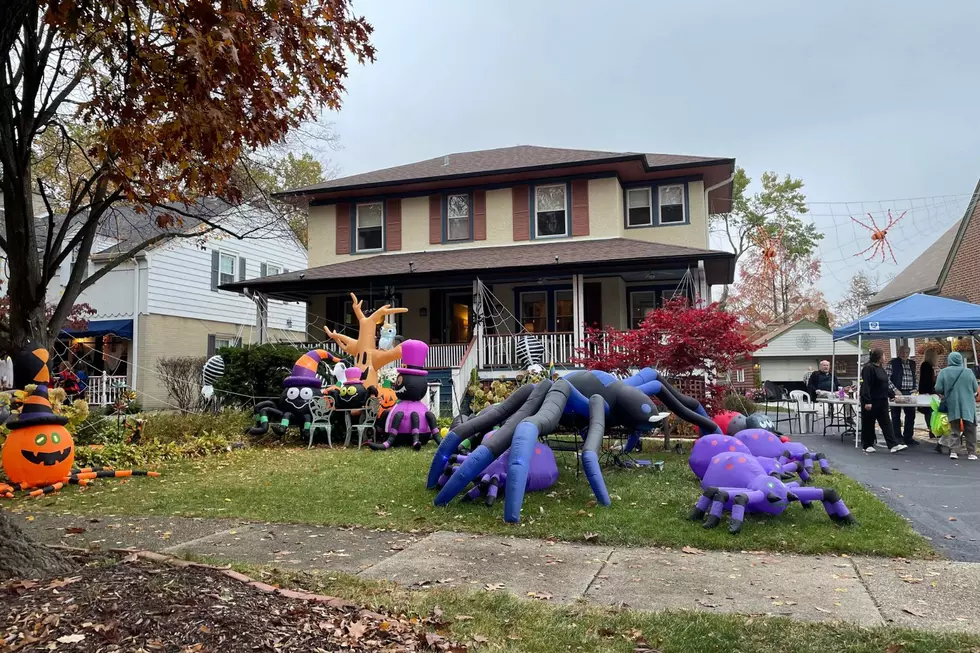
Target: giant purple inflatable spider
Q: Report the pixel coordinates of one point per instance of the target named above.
(764, 443)
(709, 446)
(542, 473)
(737, 482)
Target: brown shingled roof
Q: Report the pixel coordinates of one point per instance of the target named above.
(498, 160)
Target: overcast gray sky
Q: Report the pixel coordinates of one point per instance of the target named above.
(865, 100)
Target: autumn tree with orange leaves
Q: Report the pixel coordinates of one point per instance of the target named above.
(147, 103)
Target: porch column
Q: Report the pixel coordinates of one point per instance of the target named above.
(578, 310)
(478, 320)
(261, 314)
(703, 290)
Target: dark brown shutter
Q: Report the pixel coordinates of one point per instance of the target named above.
(393, 225)
(343, 228)
(435, 219)
(522, 212)
(580, 207)
(480, 215)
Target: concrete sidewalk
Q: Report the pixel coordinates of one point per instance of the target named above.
(866, 591)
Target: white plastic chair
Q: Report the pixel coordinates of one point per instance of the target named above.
(804, 408)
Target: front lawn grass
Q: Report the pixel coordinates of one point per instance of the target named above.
(499, 621)
(387, 490)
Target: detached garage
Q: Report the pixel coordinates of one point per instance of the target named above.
(788, 353)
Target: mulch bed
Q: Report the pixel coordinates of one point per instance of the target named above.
(141, 601)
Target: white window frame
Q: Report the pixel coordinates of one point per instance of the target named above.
(357, 227)
(520, 308)
(468, 218)
(660, 204)
(272, 266)
(564, 190)
(740, 375)
(224, 341)
(649, 193)
(636, 292)
(223, 256)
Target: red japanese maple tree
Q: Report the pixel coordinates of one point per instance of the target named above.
(677, 339)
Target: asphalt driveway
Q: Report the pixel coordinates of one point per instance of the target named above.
(940, 496)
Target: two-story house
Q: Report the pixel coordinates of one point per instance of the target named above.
(480, 246)
(166, 301)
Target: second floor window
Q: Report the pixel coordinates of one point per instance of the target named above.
(672, 204)
(370, 227)
(226, 269)
(549, 211)
(458, 217)
(271, 270)
(740, 375)
(640, 208)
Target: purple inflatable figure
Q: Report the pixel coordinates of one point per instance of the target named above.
(708, 446)
(736, 482)
(410, 414)
(542, 473)
(765, 443)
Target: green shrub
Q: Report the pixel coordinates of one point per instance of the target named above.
(740, 404)
(255, 371)
(122, 455)
(229, 424)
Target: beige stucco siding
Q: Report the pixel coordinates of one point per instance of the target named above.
(415, 224)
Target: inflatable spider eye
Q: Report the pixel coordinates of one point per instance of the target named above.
(306, 394)
(399, 381)
(350, 390)
(292, 393)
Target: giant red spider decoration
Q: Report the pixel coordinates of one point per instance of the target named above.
(770, 247)
(879, 237)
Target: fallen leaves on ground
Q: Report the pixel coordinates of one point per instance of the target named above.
(692, 550)
(142, 605)
(493, 587)
(540, 596)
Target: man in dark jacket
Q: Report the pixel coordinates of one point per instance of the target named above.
(903, 378)
(823, 380)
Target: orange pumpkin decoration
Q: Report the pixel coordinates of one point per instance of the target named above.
(388, 397)
(39, 450)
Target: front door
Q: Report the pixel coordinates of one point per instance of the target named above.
(459, 322)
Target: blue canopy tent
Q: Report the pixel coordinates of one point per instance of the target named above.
(915, 316)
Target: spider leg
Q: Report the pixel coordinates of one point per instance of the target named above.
(861, 223)
(890, 250)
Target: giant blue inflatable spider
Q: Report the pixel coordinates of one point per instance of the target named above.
(581, 399)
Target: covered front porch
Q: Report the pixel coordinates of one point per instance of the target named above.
(498, 309)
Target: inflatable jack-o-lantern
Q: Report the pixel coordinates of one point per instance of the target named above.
(39, 450)
(387, 396)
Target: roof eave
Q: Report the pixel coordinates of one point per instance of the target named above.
(271, 285)
(285, 195)
(891, 300)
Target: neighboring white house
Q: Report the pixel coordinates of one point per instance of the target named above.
(789, 352)
(165, 301)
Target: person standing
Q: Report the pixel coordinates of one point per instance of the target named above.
(958, 387)
(927, 384)
(903, 378)
(876, 389)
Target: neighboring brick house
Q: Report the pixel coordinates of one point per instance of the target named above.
(950, 267)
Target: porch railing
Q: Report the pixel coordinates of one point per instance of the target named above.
(500, 351)
(104, 390)
(461, 375)
(439, 357)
